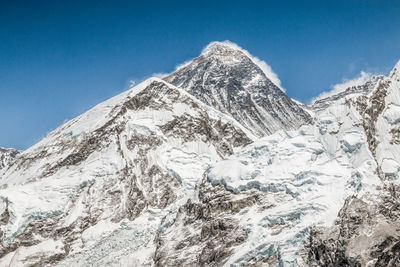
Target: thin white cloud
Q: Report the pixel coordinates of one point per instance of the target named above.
(132, 83)
(135, 81)
(160, 75)
(362, 78)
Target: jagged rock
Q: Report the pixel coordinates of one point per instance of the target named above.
(366, 233)
(204, 233)
(6, 156)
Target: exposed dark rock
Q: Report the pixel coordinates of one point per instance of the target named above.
(370, 109)
(205, 233)
(365, 234)
(7, 156)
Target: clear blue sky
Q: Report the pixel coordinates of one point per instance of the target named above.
(59, 58)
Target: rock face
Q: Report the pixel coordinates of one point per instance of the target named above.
(203, 233)
(6, 156)
(366, 233)
(226, 78)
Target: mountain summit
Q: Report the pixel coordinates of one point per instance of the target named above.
(229, 79)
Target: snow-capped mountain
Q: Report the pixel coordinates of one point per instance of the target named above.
(176, 175)
(259, 206)
(94, 191)
(323, 195)
(226, 77)
(6, 156)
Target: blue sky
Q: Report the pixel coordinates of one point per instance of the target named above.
(59, 58)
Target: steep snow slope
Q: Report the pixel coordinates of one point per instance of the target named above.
(273, 192)
(226, 78)
(6, 156)
(94, 191)
(366, 230)
(388, 126)
(323, 195)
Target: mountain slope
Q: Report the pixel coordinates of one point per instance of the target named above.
(94, 191)
(226, 78)
(6, 156)
(282, 194)
(273, 192)
(366, 230)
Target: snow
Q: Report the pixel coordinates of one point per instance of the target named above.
(70, 189)
(308, 174)
(387, 151)
(128, 243)
(392, 114)
(391, 167)
(15, 258)
(352, 141)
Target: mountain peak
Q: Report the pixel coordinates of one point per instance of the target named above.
(223, 48)
(227, 78)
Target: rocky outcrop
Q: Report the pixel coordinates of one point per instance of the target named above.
(366, 233)
(370, 109)
(204, 233)
(7, 155)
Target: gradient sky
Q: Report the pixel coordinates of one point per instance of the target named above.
(59, 58)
